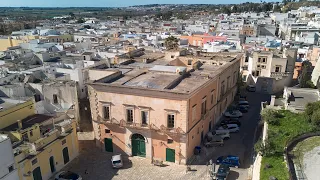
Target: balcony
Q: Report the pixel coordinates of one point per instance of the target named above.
(171, 131)
(107, 121)
(124, 123)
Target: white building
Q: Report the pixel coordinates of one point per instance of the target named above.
(8, 171)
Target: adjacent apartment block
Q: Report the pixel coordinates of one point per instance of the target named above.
(269, 71)
(41, 144)
(8, 170)
(161, 108)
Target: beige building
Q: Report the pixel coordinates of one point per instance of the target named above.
(269, 71)
(161, 108)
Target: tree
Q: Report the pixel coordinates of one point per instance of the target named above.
(311, 113)
(305, 75)
(80, 20)
(171, 43)
(71, 14)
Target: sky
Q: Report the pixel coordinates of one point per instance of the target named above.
(109, 3)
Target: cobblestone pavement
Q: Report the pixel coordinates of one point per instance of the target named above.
(98, 165)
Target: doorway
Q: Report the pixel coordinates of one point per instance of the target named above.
(138, 145)
(108, 145)
(37, 174)
(65, 153)
(52, 164)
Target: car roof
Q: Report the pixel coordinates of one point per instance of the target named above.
(233, 157)
(116, 157)
(243, 102)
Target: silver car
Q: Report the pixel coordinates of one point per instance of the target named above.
(116, 161)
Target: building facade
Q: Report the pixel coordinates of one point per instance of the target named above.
(162, 112)
(41, 144)
(8, 169)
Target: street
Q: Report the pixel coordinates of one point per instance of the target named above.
(98, 166)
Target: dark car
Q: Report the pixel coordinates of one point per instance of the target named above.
(223, 172)
(251, 88)
(230, 121)
(243, 109)
(231, 161)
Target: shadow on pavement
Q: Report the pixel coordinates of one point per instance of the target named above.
(233, 175)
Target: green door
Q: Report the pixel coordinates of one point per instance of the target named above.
(65, 153)
(37, 174)
(108, 144)
(170, 155)
(138, 145)
(52, 165)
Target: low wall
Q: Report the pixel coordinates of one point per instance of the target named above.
(289, 148)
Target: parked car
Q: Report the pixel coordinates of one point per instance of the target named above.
(244, 104)
(221, 131)
(223, 135)
(243, 109)
(116, 161)
(231, 121)
(231, 161)
(223, 172)
(213, 140)
(233, 114)
(233, 128)
(243, 97)
(251, 88)
(67, 175)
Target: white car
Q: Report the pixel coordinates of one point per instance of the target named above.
(223, 135)
(233, 114)
(233, 128)
(67, 175)
(117, 161)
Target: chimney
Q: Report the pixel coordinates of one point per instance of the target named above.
(19, 124)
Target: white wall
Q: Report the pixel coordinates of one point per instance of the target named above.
(7, 160)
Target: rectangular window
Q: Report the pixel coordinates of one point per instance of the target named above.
(264, 60)
(35, 161)
(228, 82)
(63, 141)
(31, 133)
(257, 73)
(55, 99)
(263, 66)
(144, 117)
(258, 65)
(204, 106)
(259, 59)
(189, 62)
(170, 141)
(37, 98)
(212, 96)
(247, 59)
(278, 69)
(129, 115)
(194, 112)
(106, 112)
(107, 131)
(170, 120)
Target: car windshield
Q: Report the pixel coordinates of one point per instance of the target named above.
(117, 162)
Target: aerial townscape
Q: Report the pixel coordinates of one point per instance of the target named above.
(159, 91)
